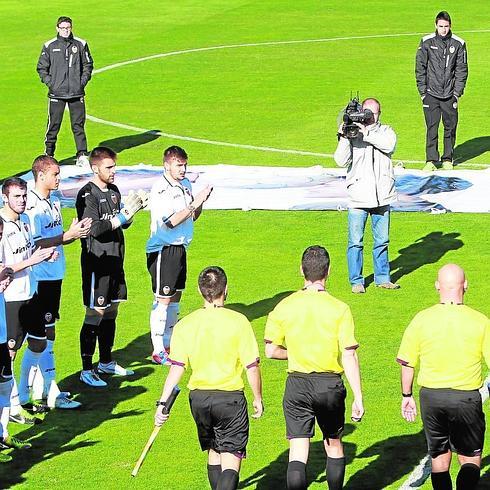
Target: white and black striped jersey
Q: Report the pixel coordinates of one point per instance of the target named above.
(17, 245)
(101, 205)
(46, 222)
(166, 199)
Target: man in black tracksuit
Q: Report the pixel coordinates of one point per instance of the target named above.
(441, 71)
(65, 66)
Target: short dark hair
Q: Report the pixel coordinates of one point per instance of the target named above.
(100, 152)
(443, 15)
(174, 152)
(212, 283)
(13, 182)
(63, 18)
(42, 163)
(315, 263)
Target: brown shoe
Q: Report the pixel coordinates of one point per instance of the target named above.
(358, 289)
(388, 285)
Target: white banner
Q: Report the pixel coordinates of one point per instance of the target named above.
(292, 188)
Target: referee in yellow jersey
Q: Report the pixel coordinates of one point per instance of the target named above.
(217, 344)
(312, 330)
(449, 341)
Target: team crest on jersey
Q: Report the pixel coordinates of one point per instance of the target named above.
(48, 317)
(74, 49)
(11, 343)
(114, 198)
(166, 290)
(452, 49)
(26, 228)
(100, 300)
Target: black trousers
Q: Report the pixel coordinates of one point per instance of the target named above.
(56, 109)
(433, 110)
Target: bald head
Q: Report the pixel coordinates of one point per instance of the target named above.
(451, 283)
(374, 106)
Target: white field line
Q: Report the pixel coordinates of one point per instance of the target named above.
(422, 471)
(247, 45)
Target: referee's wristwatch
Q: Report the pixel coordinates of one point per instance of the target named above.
(163, 404)
(406, 395)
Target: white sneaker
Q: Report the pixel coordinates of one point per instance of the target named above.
(113, 368)
(91, 378)
(66, 403)
(83, 161)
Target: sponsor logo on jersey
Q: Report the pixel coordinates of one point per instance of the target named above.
(23, 249)
(54, 224)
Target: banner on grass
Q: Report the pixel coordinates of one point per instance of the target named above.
(292, 188)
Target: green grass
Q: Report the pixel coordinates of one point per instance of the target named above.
(287, 96)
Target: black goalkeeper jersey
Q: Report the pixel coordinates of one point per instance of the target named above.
(101, 206)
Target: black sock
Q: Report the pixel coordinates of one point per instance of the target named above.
(441, 481)
(228, 480)
(296, 475)
(335, 473)
(468, 477)
(107, 332)
(88, 339)
(214, 472)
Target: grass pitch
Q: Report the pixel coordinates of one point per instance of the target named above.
(285, 96)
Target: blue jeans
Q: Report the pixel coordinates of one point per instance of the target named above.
(380, 226)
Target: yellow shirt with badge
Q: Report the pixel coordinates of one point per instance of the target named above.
(217, 344)
(449, 341)
(315, 328)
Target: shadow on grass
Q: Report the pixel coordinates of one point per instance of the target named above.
(428, 249)
(56, 434)
(393, 458)
(471, 149)
(274, 474)
(122, 143)
(260, 308)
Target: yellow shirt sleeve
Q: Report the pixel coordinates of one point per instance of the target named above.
(409, 351)
(274, 331)
(486, 343)
(248, 350)
(178, 351)
(347, 339)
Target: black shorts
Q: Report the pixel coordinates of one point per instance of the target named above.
(103, 281)
(453, 420)
(24, 318)
(221, 419)
(319, 396)
(49, 293)
(5, 363)
(168, 270)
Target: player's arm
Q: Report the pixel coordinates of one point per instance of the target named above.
(38, 256)
(44, 65)
(190, 211)
(6, 276)
(254, 379)
(78, 229)
(421, 60)
(174, 376)
(461, 72)
(274, 351)
(350, 362)
(87, 66)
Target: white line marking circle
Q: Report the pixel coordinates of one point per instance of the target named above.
(247, 45)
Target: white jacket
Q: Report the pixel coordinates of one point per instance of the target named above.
(370, 177)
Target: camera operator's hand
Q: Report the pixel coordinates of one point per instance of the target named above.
(340, 132)
(362, 129)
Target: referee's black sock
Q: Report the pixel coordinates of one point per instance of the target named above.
(296, 475)
(228, 480)
(107, 332)
(468, 477)
(214, 472)
(88, 338)
(441, 481)
(335, 473)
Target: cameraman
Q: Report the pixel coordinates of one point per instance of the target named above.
(371, 189)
